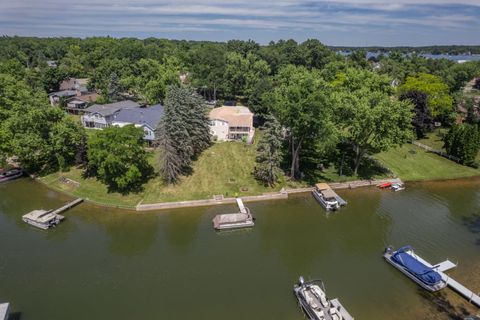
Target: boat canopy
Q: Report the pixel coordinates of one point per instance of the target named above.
(322, 186)
(415, 267)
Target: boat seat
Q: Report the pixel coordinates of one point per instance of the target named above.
(335, 314)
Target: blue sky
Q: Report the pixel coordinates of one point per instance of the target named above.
(334, 22)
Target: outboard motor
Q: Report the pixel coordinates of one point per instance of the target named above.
(301, 281)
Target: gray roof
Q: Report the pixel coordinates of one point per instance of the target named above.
(64, 93)
(111, 108)
(150, 116)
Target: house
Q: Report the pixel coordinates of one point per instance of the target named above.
(78, 104)
(100, 116)
(232, 123)
(146, 118)
(72, 90)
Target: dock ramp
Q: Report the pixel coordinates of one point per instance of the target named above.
(452, 283)
(241, 207)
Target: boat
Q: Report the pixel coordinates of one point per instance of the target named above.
(405, 260)
(11, 174)
(385, 185)
(229, 221)
(326, 197)
(4, 311)
(42, 219)
(397, 187)
(312, 298)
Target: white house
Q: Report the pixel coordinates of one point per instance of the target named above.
(147, 118)
(101, 116)
(232, 123)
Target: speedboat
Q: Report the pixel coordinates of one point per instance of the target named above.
(326, 197)
(405, 260)
(397, 187)
(385, 185)
(313, 300)
(11, 174)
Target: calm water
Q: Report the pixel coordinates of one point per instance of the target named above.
(108, 264)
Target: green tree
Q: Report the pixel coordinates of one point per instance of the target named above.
(463, 142)
(269, 152)
(301, 104)
(41, 136)
(370, 120)
(183, 133)
(439, 100)
(116, 156)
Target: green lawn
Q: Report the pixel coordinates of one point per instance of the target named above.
(435, 140)
(412, 163)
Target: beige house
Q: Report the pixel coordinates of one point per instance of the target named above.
(232, 123)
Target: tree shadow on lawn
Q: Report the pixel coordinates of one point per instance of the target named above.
(368, 170)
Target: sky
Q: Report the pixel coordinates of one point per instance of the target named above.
(333, 22)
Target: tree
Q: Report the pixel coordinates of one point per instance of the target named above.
(370, 120)
(300, 103)
(422, 119)
(463, 142)
(476, 85)
(269, 152)
(113, 89)
(439, 100)
(242, 74)
(116, 156)
(183, 133)
(41, 136)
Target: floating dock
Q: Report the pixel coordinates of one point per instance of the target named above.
(45, 219)
(4, 310)
(452, 283)
(242, 219)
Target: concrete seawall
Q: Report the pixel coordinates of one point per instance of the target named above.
(283, 194)
(210, 202)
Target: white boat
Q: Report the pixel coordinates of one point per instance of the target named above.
(4, 311)
(11, 174)
(313, 300)
(397, 187)
(405, 260)
(42, 219)
(326, 196)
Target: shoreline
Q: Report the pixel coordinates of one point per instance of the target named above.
(282, 194)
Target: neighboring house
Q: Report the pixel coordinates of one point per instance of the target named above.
(232, 123)
(72, 90)
(147, 118)
(101, 116)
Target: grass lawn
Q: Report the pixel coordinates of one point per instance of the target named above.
(412, 163)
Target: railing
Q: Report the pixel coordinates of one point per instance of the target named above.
(439, 152)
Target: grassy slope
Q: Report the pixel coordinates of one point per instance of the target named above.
(410, 162)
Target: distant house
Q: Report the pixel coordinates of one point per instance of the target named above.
(52, 63)
(147, 118)
(73, 91)
(232, 123)
(100, 116)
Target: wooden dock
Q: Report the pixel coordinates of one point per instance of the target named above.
(68, 206)
(4, 307)
(452, 283)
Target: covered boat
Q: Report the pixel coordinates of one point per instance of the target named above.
(405, 260)
(42, 219)
(313, 300)
(228, 221)
(326, 197)
(10, 174)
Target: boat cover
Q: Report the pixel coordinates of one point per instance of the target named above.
(415, 267)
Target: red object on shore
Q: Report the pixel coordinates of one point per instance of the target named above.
(385, 185)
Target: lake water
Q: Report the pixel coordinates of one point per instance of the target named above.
(456, 57)
(109, 264)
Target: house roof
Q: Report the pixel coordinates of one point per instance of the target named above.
(235, 116)
(63, 93)
(150, 116)
(111, 108)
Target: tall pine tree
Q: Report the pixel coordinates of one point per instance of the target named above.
(269, 153)
(183, 133)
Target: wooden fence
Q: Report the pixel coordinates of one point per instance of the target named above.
(439, 152)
